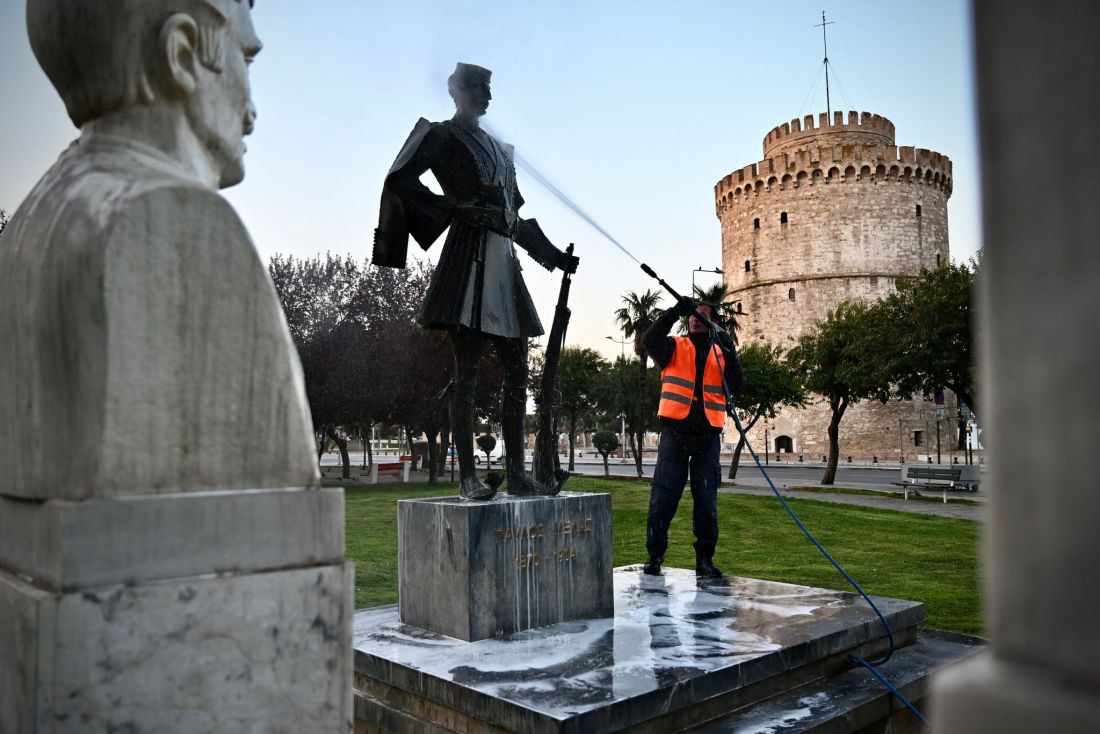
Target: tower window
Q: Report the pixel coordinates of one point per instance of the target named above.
(918, 210)
(756, 223)
(782, 217)
(790, 294)
(937, 259)
(918, 438)
(748, 265)
(739, 310)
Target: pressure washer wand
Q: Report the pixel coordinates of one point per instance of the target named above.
(698, 314)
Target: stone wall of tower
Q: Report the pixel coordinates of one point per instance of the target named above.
(835, 212)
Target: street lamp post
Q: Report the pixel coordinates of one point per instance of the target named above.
(622, 416)
(717, 271)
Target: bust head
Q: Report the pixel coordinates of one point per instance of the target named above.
(154, 70)
(469, 88)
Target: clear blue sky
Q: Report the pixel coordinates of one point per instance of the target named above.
(635, 109)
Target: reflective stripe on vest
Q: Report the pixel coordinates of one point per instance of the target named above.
(678, 385)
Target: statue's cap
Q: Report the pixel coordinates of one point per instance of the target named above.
(470, 73)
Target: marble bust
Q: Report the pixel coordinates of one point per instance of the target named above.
(144, 349)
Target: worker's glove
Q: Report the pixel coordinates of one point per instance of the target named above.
(684, 307)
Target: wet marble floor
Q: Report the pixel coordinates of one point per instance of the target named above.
(672, 643)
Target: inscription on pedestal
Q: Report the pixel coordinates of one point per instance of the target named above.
(473, 570)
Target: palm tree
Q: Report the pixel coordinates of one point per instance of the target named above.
(726, 315)
(634, 318)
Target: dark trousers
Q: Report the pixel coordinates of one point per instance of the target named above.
(678, 458)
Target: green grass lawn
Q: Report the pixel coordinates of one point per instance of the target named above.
(897, 554)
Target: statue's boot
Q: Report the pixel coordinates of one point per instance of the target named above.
(472, 488)
(520, 483)
(462, 427)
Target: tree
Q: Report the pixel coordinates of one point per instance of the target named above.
(930, 320)
(725, 315)
(605, 442)
(487, 442)
(771, 383)
(578, 378)
(621, 391)
(634, 318)
(842, 361)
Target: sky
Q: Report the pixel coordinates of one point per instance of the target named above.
(634, 109)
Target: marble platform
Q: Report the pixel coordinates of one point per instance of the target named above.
(473, 570)
(676, 653)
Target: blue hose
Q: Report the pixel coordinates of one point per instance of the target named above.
(869, 664)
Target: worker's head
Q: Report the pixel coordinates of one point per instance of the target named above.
(695, 326)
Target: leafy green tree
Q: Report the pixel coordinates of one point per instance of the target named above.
(487, 442)
(930, 318)
(634, 318)
(606, 442)
(578, 378)
(622, 391)
(771, 383)
(842, 361)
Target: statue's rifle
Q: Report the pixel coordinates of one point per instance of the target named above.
(544, 466)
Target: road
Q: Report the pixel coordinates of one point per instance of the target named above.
(782, 473)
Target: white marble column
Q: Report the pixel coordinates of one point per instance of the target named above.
(1038, 73)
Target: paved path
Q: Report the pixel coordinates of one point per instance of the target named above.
(976, 513)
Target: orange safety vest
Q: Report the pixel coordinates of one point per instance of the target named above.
(678, 384)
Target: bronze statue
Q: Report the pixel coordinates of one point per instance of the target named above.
(477, 291)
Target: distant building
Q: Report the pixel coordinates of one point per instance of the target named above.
(833, 212)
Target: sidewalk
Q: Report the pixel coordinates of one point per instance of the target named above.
(975, 513)
(751, 481)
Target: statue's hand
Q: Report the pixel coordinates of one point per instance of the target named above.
(569, 263)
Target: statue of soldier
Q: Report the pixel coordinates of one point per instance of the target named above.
(477, 292)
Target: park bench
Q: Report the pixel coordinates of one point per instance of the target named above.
(390, 468)
(944, 477)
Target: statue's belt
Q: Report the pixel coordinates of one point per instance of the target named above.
(495, 218)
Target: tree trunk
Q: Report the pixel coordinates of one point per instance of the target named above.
(606, 470)
(370, 452)
(736, 460)
(572, 438)
(638, 441)
(834, 441)
(321, 444)
(342, 444)
(433, 457)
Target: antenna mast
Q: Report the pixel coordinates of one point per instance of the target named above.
(825, 43)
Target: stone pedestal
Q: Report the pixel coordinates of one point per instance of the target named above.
(742, 654)
(473, 570)
(212, 611)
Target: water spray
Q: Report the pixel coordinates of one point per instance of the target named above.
(714, 329)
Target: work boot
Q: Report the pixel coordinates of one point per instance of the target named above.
(705, 568)
(472, 488)
(652, 567)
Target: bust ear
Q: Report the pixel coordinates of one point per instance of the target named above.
(178, 50)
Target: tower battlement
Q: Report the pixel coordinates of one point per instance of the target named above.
(836, 164)
(861, 128)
